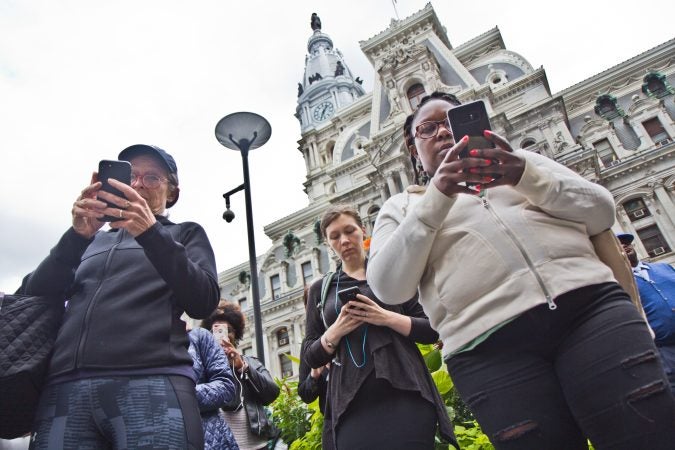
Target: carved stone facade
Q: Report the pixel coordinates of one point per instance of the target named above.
(355, 153)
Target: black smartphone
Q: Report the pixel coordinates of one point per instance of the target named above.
(119, 170)
(348, 294)
(470, 119)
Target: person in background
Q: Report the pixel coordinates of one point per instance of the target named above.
(313, 383)
(380, 392)
(656, 284)
(246, 415)
(215, 388)
(540, 341)
(117, 379)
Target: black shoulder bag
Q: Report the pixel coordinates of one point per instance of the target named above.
(28, 328)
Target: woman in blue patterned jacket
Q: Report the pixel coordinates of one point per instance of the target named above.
(215, 387)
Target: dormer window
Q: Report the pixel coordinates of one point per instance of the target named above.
(607, 107)
(656, 85)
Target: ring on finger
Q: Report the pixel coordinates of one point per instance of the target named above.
(121, 216)
(127, 204)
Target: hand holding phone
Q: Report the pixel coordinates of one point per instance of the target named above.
(470, 119)
(119, 170)
(348, 294)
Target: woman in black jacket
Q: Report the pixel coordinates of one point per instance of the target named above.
(246, 416)
(120, 373)
(380, 393)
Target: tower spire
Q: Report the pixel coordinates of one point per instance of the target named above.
(327, 83)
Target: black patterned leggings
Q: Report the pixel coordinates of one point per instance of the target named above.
(149, 412)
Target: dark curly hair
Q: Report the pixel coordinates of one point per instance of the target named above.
(227, 312)
(409, 135)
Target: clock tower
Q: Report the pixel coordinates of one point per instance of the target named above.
(327, 85)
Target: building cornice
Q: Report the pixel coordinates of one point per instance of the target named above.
(622, 76)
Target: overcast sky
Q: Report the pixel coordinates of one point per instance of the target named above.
(82, 79)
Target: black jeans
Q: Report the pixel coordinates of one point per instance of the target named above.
(551, 379)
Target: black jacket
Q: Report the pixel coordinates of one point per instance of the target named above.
(390, 355)
(126, 295)
(256, 389)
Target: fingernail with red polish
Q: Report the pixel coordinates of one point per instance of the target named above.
(473, 170)
(465, 139)
(488, 179)
(473, 152)
(488, 161)
(487, 133)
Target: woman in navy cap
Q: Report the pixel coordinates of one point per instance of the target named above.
(121, 375)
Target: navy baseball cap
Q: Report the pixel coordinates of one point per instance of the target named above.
(625, 238)
(143, 149)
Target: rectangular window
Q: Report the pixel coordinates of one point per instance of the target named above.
(653, 241)
(243, 304)
(605, 152)
(286, 366)
(275, 281)
(306, 272)
(656, 131)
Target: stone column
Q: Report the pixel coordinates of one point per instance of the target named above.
(405, 180)
(666, 204)
(392, 186)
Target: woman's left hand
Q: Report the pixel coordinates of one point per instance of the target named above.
(506, 168)
(134, 212)
(367, 311)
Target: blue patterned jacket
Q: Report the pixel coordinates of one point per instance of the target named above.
(215, 387)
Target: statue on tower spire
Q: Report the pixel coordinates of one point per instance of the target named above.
(316, 22)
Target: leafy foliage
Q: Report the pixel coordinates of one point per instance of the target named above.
(290, 414)
(302, 425)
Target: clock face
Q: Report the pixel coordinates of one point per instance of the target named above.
(323, 111)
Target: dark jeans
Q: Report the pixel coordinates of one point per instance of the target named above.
(119, 413)
(551, 379)
(668, 360)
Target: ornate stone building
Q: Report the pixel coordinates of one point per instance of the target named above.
(615, 128)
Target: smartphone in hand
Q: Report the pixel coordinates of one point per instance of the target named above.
(348, 294)
(470, 119)
(220, 333)
(119, 170)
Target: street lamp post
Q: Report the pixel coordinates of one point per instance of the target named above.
(244, 131)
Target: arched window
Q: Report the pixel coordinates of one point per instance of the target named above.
(282, 337)
(415, 94)
(529, 142)
(636, 209)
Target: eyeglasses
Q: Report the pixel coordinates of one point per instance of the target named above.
(427, 130)
(149, 180)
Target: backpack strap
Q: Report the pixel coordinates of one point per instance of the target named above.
(325, 287)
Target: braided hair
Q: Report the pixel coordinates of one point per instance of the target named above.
(408, 133)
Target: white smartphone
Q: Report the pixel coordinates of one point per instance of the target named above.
(220, 333)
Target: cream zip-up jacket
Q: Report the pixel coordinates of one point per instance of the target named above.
(479, 262)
